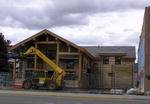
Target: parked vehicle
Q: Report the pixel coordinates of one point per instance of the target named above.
(134, 91)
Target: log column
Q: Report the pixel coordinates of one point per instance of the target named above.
(14, 69)
(35, 59)
(57, 54)
(80, 69)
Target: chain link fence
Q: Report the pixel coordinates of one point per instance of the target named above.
(88, 81)
(5, 80)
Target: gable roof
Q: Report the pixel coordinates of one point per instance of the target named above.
(54, 35)
(96, 50)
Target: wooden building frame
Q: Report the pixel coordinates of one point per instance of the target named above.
(88, 68)
(73, 52)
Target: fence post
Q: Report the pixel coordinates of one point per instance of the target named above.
(14, 69)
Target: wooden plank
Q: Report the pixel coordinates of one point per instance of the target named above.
(112, 78)
(71, 70)
(14, 69)
(64, 57)
(69, 49)
(112, 54)
(80, 66)
(132, 75)
(68, 53)
(35, 59)
(57, 55)
(47, 42)
(46, 37)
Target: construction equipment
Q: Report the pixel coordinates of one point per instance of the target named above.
(41, 78)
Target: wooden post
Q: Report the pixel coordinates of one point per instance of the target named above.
(80, 69)
(57, 54)
(35, 59)
(113, 77)
(69, 49)
(101, 75)
(132, 74)
(14, 69)
(46, 37)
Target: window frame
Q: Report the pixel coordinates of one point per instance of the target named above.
(52, 55)
(70, 66)
(112, 74)
(117, 61)
(71, 75)
(30, 63)
(105, 59)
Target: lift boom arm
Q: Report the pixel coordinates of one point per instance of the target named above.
(56, 68)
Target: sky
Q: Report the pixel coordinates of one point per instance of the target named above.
(83, 22)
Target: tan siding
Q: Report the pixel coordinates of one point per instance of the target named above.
(123, 74)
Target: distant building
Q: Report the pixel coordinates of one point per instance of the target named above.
(144, 54)
(102, 67)
(141, 55)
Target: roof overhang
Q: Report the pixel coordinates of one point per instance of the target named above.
(112, 54)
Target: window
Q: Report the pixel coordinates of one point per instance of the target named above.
(73, 49)
(88, 70)
(51, 38)
(70, 64)
(28, 74)
(118, 60)
(105, 59)
(41, 38)
(70, 76)
(40, 64)
(63, 47)
(111, 74)
(30, 63)
(51, 54)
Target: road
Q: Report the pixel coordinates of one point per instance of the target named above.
(30, 99)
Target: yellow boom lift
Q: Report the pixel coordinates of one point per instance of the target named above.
(41, 78)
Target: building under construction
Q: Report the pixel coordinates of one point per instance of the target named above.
(100, 67)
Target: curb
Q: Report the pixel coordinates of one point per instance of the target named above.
(69, 96)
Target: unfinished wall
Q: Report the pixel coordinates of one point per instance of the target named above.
(63, 54)
(123, 76)
(87, 73)
(115, 76)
